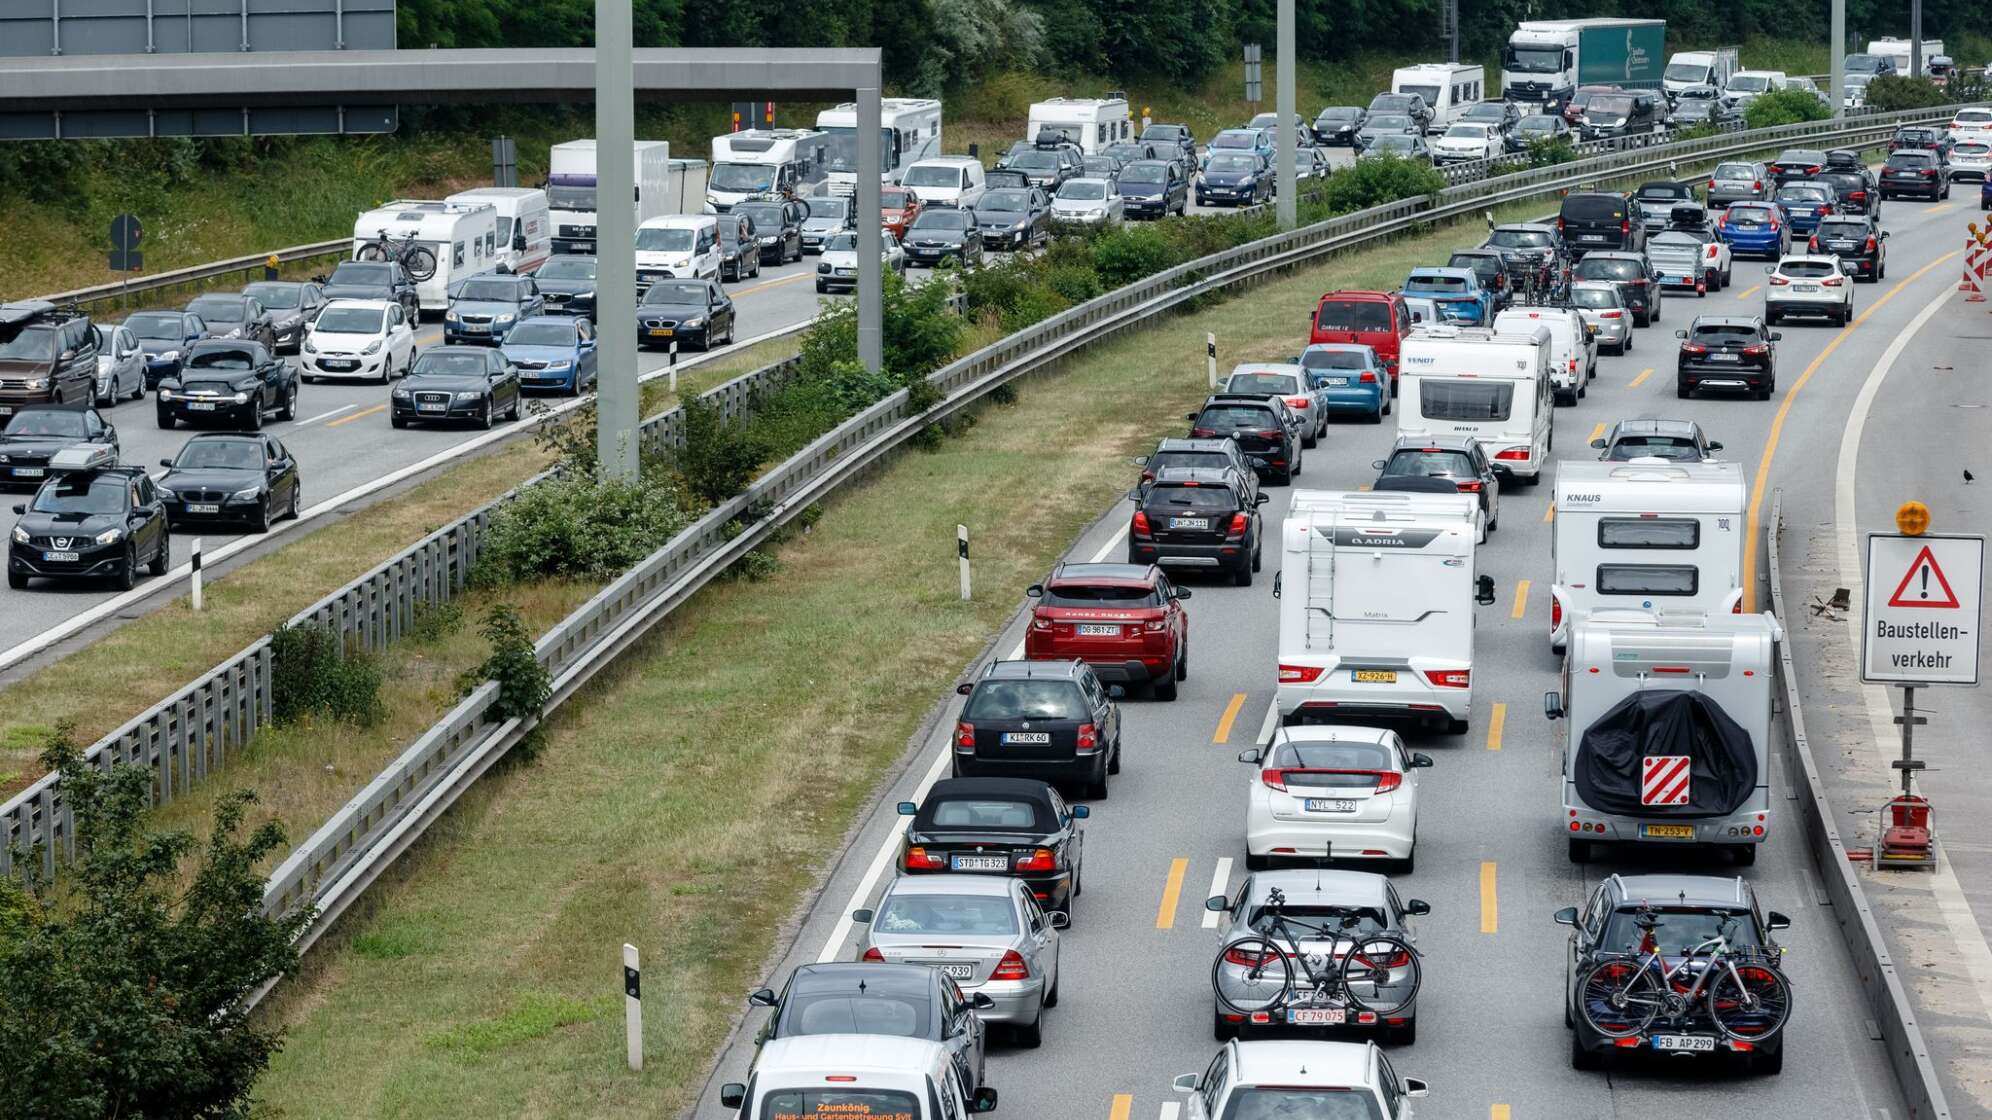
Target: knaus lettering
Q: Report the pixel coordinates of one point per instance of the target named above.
(1586, 497)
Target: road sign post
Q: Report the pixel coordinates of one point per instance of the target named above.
(633, 1007)
(961, 550)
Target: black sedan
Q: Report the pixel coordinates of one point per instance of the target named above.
(943, 234)
(998, 826)
(165, 337)
(235, 317)
(1014, 218)
(1047, 720)
(568, 283)
(91, 524)
(1338, 124)
(867, 997)
(228, 380)
(227, 476)
(461, 383)
(292, 305)
(35, 433)
(685, 311)
(1859, 242)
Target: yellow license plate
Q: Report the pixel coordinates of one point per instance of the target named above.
(1670, 831)
(660, 333)
(1376, 676)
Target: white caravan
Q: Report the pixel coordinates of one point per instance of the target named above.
(1093, 123)
(663, 186)
(1477, 382)
(1377, 594)
(463, 238)
(1897, 50)
(1653, 535)
(1687, 69)
(1669, 726)
(762, 162)
(1573, 351)
(909, 130)
(1450, 88)
(525, 228)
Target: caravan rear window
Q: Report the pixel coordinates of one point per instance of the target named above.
(1649, 532)
(1465, 400)
(1647, 579)
(846, 1104)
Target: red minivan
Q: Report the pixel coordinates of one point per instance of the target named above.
(1378, 320)
(1124, 620)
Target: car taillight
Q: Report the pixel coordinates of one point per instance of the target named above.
(1273, 779)
(1399, 959)
(1039, 622)
(1693, 348)
(1711, 184)
(1238, 522)
(1141, 528)
(1274, 433)
(1039, 859)
(1612, 315)
(1011, 967)
(1555, 612)
(1812, 244)
(1870, 245)
(1823, 210)
(1298, 402)
(1758, 351)
(1625, 226)
(1559, 225)
(1247, 958)
(1155, 625)
(1513, 454)
(1203, 433)
(1812, 171)
(1712, 252)
(919, 859)
(1472, 487)
(1757, 186)
(1300, 674)
(1387, 780)
(872, 954)
(1449, 678)
(1779, 281)
(1089, 738)
(1367, 378)
(1857, 196)
(965, 736)
(1774, 227)
(1929, 173)
(1736, 607)
(1831, 282)
(1639, 283)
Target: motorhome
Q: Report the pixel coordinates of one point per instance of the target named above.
(1897, 51)
(765, 162)
(909, 130)
(1493, 386)
(663, 186)
(1449, 89)
(1687, 69)
(1546, 60)
(463, 238)
(1667, 730)
(1093, 123)
(1653, 535)
(525, 229)
(1377, 592)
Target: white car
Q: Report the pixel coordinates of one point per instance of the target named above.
(839, 266)
(120, 365)
(1972, 158)
(1971, 125)
(1808, 285)
(1332, 791)
(1087, 202)
(1464, 142)
(358, 339)
(1291, 1077)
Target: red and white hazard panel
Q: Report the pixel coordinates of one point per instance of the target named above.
(1663, 779)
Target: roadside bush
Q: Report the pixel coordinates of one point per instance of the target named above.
(1892, 93)
(523, 683)
(582, 527)
(1374, 182)
(1131, 252)
(309, 676)
(1549, 153)
(921, 332)
(1785, 106)
(720, 456)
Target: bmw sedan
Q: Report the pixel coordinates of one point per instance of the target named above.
(687, 311)
(1015, 828)
(230, 477)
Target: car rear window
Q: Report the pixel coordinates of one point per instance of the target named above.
(1269, 384)
(1254, 1102)
(1594, 208)
(1334, 359)
(1912, 159)
(1303, 918)
(1235, 416)
(1807, 268)
(1735, 171)
(995, 814)
(1430, 461)
(1661, 447)
(1437, 283)
(1209, 460)
(1484, 265)
(1465, 400)
(1607, 268)
(1750, 215)
(1843, 229)
(1647, 579)
(1677, 930)
(1096, 595)
(1595, 297)
(1724, 332)
(1010, 699)
(945, 913)
(1332, 756)
(1354, 315)
(1650, 532)
(1165, 496)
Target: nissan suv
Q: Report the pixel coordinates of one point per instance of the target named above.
(1196, 518)
(48, 355)
(1727, 352)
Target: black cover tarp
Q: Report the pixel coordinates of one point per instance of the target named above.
(1723, 762)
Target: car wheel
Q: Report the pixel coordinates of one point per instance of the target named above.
(822, 288)
(513, 412)
(484, 421)
(162, 559)
(127, 576)
(1051, 997)
(289, 411)
(1030, 1036)
(296, 500)
(1242, 575)
(1163, 689)
(1310, 439)
(255, 416)
(261, 522)
(1183, 664)
(1097, 790)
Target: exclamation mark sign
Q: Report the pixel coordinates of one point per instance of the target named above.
(1926, 581)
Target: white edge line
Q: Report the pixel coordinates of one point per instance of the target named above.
(1220, 883)
(1170, 1109)
(326, 415)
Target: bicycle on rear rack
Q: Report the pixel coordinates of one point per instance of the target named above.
(415, 258)
(1272, 973)
(1739, 989)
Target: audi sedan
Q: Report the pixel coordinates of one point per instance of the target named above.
(1326, 792)
(473, 383)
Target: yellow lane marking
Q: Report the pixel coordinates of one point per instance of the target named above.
(1165, 917)
(1636, 383)
(1749, 291)
(772, 284)
(1549, 515)
(1597, 432)
(1938, 209)
(1498, 1112)
(1123, 1104)
(1777, 428)
(356, 416)
(1521, 598)
(1495, 722)
(1230, 713)
(1488, 916)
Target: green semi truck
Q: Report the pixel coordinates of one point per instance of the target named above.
(1545, 61)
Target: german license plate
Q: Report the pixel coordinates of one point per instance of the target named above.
(1189, 523)
(1375, 676)
(1027, 737)
(1098, 630)
(659, 332)
(1317, 1016)
(201, 406)
(1338, 381)
(1330, 805)
(1668, 831)
(340, 366)
(1724, 358)
(959, 971)
(1805, 287)
(1691, 1042)
(433, 406)
(27, 472)
(203, 507)
(979, 863)
(60, 557)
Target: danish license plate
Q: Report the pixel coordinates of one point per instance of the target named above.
(1690, 1042)
(1805, 287)
(1330, 805)
(1039, 737)
(433, 406)
(27, 472)
(1091, 630)
(1317, 1016)
(659, 332)
(980, 863)
(1338, 382)
(1375, 676)
(60, 557)
(1668, 831)
(959, 971)
(200, 406)
(1724, 358)
(203, 507)
(1189, 523)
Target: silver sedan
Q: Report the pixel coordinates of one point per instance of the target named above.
(1605, 314)
(986, 932)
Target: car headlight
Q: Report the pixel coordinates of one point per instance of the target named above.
(372, 347)
(506, 318)
(37, 383)
(695, 321)
(20, 535)
(1022, 225)
(309, 348)
(450, 315)
(825, 267)
(400, 394)
(165, 394)
(246, 494)
(169, 355)
(555, 367)
(110, 536)
(471, 395)
(769, 240)
(241, 398)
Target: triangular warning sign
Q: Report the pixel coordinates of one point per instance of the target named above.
(1915, 589)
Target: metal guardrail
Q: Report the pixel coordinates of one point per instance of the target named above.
(1880, 981)
(249, 265)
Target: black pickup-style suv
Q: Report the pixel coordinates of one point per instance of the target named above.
(1593, 220)
(1728, 352)
(1264, 427)
(48, 355)
(1915, 171)
(1196, 518)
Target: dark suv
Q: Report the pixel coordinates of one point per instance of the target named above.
(1728, 352)
(1210, 454)
(1592, 220)
(102, 521)
(1915, 171)
(1796, 163)
(1857, 241)
(1635, 277)
(48, 355)
(1263, 426)
(1051, 720)
(1197, 518)
(1154, 188)
(1458, 459)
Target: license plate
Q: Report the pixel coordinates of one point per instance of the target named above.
(659, 332)
(1090, 630)
(1725, 357)
(433, 406)
(1592, 237)
(1027, 737)
(340, 366)
(1329, 805)
(475, 328)
(1805, 287)
(203, 507)
(60, 557)
(1317, 1016)
(1697, 1043)
(1338, 381)
(1375, 676)
(979, 863)
(1668, 831)
(200, 406)
(1189, 523)
(27, 472)
(959, 971)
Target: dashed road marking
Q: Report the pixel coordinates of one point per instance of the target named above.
(1490, 919)
(357, 415)
(1496, 721)
(1521, 599)
(1224, 722)
(1641, 379)
(1172, 890)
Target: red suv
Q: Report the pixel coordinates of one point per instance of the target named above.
(1126, 621)
(1378, 320)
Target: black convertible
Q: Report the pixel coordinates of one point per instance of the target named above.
(998, 826)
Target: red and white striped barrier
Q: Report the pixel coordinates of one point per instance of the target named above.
(1977, 262)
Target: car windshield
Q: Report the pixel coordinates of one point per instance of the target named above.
(837, 1104)
(944, 219)
(349, 320)
(1339, 113)
(1749, 83)
(1595, 297)
(1678, 448)
(982, 814)
(1487, 111)
(766, 216)
(1034, 160)
(92, 494)
(1431, 282)
(31, 344)
(678, 292)
(1685, 72)
(1688, 110)
(1609, 105)
(1395, 143)
(1677, 931)
(1232, 165)
(1172, 498)
(496, 291)
(543, 334)
(1335, 359)
(894, 198)
(1607, 268)
(1467, 132)
(1082, 190)
(939, 175)
(1008, 201)
(1253, 1102)
(1263, 384)
(842, 1011)
(1416, 462)
(364, 273)
(1246, 140)
(742, 178)
(1538, 124)
(1388, 122)
(847, 242)
(1115, 595)
(164, 327)
(220, 309)
(220, 454)
(1146, 173)
(282, 297)
(450, 365)
(832, 209)
(222, 359)
(1237, 416)
(1022, 699)
(986, 915)
(1519, 239)
(1354, 315)
(46, 422)
(568, 268)
(677, 240)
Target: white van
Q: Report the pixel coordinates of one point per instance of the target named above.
(815, 1076)
(1450, 88)
(946, 181)
(525, 225)
(1573, 352)
(1474, 381)
(462, 236)
(1093, 123)
(1648, 534)
(1376, 591)
(676, 247)
(1746, 84)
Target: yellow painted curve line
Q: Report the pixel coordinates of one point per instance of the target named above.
(1230, 713)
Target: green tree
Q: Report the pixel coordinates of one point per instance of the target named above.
(1892, 93)
(1785, 106)
(121, 987)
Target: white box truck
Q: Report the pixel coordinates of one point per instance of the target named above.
(1667, 731)
(1687, 69)
(1495, 387)
(1650, 535)
(463, 238)
(1449, 88)
(1545, 60)
(1377, 592)
(1090, 122)
(663, 186)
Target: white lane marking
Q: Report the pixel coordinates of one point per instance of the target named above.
(1113, 544)
(1965, 931)
(328, 415)
(1220, 883)
(1169, 1109)
(1271, 721)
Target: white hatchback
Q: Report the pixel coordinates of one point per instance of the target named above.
(357, 338)
(1291, 1077)
(1332, 791)
(1971, 125)
(1972, 158)
(1808, 285)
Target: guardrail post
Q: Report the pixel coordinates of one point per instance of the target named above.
(195, 560)
(961, 550)
(1210, 359)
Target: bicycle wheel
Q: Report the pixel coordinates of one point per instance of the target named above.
(1252, 976)
(371, 251)
(1619, 997)
(1380, 973)
(420, 263)
(1749, 1002)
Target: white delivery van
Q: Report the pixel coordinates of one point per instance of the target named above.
(1687, 69)
(1668, 726)
(1653, 535)
(1746, 84)
(570, 188)
(1573, 353)
(1450, 88)
(1377, 592)
(677, 247)
(848, 1076)
(1093, 123)
(909, 131)
(946, 181)
(763, 163)
(462, 236)
(1478, 382)
(525, 225)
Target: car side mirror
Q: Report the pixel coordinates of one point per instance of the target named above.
(984, 1100)
(732, 1095)
(19, 509)
(1777, 336)
(1714, 446)
(907, 808)
(1190, 416)
(864, 916)
(1415, 1087)
(1115, 692)
(964, 688)
(1059, 919)
(1421, 761)
(762, 997)
(1552, 705)
(1884, 235)
(1217, 904)
(1681, 334)
(1186, 1082)
(1769, 269)
(1417, 907)
(1035, 591)
(1483, 590)
(1081, 812)
(1598, 443)
(68, 355)
(519, 242)
(981, 1001)
(1251, 755)
(1565, 917)
(1776, 920)
(165, 462)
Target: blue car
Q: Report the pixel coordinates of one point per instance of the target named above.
(1456, 290)
(1806, 204)
(165, 337)
(1759, 228)
(1255, 141)
(1985, 195)
(553, 352)
(1348, 378)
